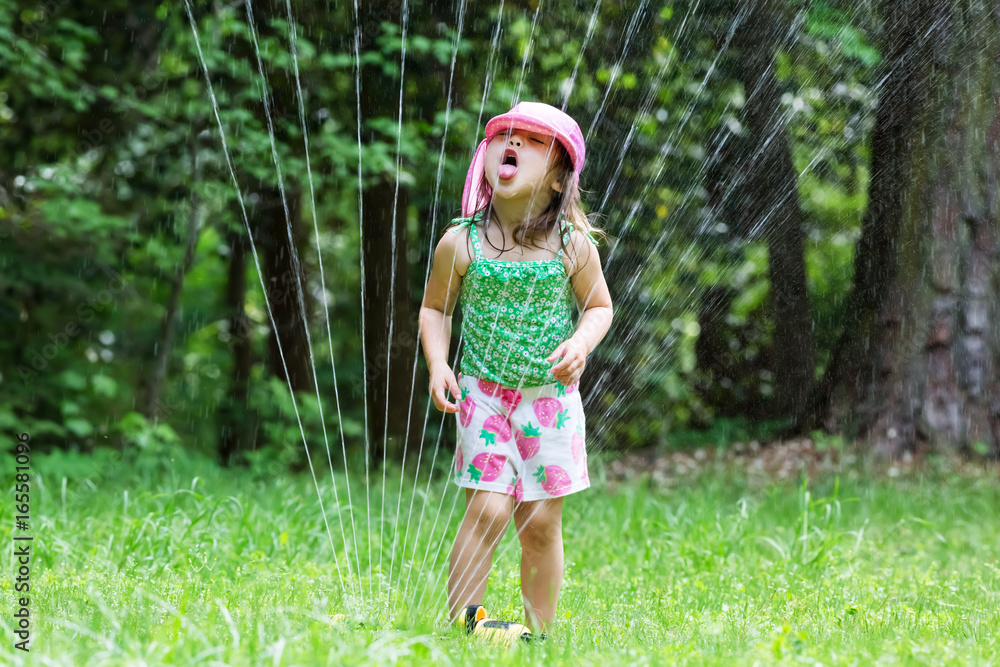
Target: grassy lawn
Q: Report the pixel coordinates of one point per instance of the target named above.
(185, 563)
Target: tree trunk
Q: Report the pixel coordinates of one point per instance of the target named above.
(390, 324)
(287, 346)
(288, 353)
(772, 209)
(165, 342)
(237, 422)
(850, 376)
(917, 365)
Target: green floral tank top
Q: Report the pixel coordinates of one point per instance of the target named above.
(514, 314)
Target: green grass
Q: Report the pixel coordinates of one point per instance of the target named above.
(185, 563)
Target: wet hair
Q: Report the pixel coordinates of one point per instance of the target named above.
(564, 203)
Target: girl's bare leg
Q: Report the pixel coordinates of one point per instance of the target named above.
(487, 515)
(539, 525)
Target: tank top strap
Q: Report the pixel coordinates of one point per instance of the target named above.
(566, 228)
(470, 223)
(566, 231)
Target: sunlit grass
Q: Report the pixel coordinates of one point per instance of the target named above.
(186, 563)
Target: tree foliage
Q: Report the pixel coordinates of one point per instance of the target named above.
(128, 125)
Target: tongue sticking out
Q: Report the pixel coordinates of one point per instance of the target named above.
(507, 171)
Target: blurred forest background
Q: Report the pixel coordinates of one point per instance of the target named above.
(800, 198)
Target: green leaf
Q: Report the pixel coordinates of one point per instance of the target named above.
(8, 420)
(336, 60)
(44, 427)
(79, 427)
(104, 385)
(835, 25)
(73, 380)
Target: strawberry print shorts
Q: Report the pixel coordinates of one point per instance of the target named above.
(527, 443)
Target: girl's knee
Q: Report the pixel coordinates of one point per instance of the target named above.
(489, 517)
(491, 528)
(540, 535)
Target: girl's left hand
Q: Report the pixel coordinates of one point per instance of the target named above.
(574, 359)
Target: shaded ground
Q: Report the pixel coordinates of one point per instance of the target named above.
(766, 463)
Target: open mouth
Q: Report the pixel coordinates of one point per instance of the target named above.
(508, 167)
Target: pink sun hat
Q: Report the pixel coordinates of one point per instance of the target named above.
(530, 116)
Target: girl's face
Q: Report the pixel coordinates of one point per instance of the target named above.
(521, 165)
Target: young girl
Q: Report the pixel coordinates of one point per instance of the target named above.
(518, 258)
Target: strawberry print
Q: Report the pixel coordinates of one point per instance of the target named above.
(489, 388)
(475, 473)
(547, 410)
(466, 407)
(487, 467)
(563, 390)
(554, 480)
(516, 489)
(509, 398)
(528, 441)
(495, 429)
(577, 447)
(493, 418)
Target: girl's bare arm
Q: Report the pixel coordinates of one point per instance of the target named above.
(594, 298)
(591, 293)
(435, 318)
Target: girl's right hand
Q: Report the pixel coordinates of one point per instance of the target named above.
(443, 382)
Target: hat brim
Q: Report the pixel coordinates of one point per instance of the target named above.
(568, 137)
(513, 120)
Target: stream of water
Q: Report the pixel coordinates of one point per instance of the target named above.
(382, 586)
